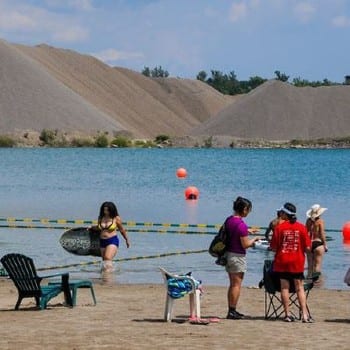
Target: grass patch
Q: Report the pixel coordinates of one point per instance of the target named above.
(7, 142)
(121, 142)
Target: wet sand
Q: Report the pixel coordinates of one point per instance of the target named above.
(131, 317)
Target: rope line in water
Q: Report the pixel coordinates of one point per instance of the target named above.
(94, 222)
(162, 231)
(45, 223)
(95, 262)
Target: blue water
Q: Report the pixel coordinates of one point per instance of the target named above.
(72, 183)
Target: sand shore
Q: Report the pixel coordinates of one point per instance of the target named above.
(130, 317)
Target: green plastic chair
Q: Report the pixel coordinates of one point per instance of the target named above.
(74, 285)
(22, 272)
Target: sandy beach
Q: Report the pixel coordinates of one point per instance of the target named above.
(130, 317)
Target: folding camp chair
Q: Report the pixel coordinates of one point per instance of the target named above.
(177, 287)
(273, 301)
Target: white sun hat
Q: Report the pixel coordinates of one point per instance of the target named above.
(315, 211)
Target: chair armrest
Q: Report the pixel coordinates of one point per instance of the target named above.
(65, 286)
(55, 275)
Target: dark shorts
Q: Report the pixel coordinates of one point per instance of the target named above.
(316, 244)
(290, 276)
(108, 241)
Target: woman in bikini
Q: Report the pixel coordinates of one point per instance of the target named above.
(108, 223)
(315, 227)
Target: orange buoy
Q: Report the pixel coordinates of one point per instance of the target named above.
(191, 193)
(346, 231)
(181, 173)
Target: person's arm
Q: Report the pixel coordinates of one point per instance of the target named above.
(274, 240)
(122, 231)
(323, 234)
(268, 230)
(247, 242)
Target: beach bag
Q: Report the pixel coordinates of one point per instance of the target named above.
(217, 247)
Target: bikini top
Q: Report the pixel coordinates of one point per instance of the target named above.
(110, 228)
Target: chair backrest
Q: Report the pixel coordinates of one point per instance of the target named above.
(272, 282)
(178, 285)
(22, 271)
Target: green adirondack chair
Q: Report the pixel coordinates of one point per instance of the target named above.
(22, 272)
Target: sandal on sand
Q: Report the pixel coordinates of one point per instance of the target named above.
(288, 319)
(199, 321)
(309, 320)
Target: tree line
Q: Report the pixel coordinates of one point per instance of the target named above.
(228, 84)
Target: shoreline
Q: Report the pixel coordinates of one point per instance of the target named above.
(131, 317)
(60, 139)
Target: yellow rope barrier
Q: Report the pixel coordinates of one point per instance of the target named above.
(52, 223)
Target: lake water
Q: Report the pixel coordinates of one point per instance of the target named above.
(72, 183)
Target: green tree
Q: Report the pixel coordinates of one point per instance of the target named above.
(146, 71)
(159, 72)
(255, 81)
(202, 75)
(281, 76)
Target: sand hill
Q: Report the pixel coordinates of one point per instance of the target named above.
(31, 99)
(45, 87)
(280, 111)
(145, 107)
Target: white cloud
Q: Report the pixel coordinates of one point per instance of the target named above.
(238, 11)
(304, 11)
(113, 55)
(341, 21)
(15, 20)
(38, 22)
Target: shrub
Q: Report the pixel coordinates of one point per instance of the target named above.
(82, 142)
(6, 141)
(101, 141)
(121, 141)
(144, 143)
(208, 143)
(161, 138)
(48, 137)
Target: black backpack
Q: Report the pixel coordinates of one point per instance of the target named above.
(217, 247)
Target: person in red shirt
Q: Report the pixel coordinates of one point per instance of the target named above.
(290, 242)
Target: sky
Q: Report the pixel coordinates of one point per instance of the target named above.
(302, 38)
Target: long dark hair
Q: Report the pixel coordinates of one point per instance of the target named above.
(292, 218)
(113, 211)
(240, 204)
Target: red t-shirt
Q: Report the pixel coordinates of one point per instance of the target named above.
(290, 241)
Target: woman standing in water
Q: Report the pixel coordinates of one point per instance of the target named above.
(237, 243)
(108, 223)
(316, 230)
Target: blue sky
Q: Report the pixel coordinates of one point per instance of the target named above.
(306, 38)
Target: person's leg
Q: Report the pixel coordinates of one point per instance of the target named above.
(285, 296)
(108, 255)
(318, 257)
(234, 290)
(310, 263)
(299, 288)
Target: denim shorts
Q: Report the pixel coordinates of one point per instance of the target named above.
(104, 242)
